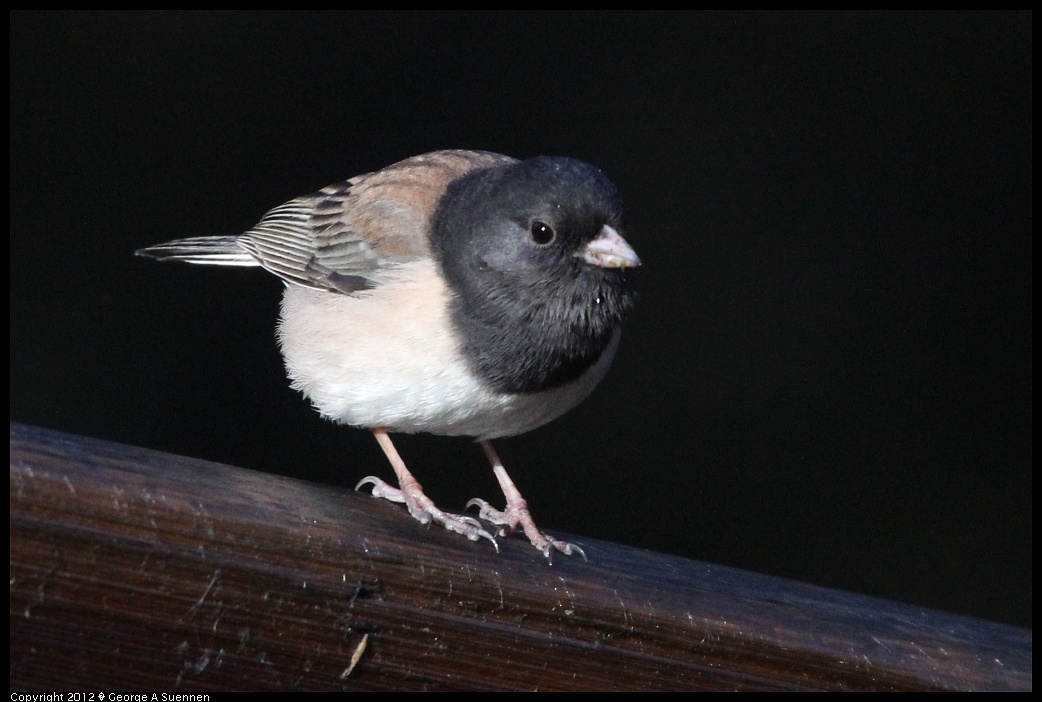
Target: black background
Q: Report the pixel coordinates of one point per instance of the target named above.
(828, 376)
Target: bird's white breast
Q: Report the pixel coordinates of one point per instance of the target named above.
(388, 357)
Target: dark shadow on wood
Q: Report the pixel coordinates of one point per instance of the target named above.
(138, 570)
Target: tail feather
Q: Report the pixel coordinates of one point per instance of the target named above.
(208, 250)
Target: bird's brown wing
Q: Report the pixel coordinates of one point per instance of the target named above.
(341, 237)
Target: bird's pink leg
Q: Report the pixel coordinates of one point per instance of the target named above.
(516, 513)
(410, 492)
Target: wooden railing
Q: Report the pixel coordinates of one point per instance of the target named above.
(133, 570)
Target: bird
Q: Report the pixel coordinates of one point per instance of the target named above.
(457, 292)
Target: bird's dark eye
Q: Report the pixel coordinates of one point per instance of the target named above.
(542, 233)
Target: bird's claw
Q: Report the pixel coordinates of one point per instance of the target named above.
(518, 516)
(382, 489)
(424, 511)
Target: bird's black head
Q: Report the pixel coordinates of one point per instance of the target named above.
(531, 308)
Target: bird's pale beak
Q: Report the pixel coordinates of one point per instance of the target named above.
(609, 250)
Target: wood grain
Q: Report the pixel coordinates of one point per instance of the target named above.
(137, 570)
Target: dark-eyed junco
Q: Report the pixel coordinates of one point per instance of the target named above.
(459, 292)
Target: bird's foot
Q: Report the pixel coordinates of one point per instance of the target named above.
(425, 511)
(516, 515)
